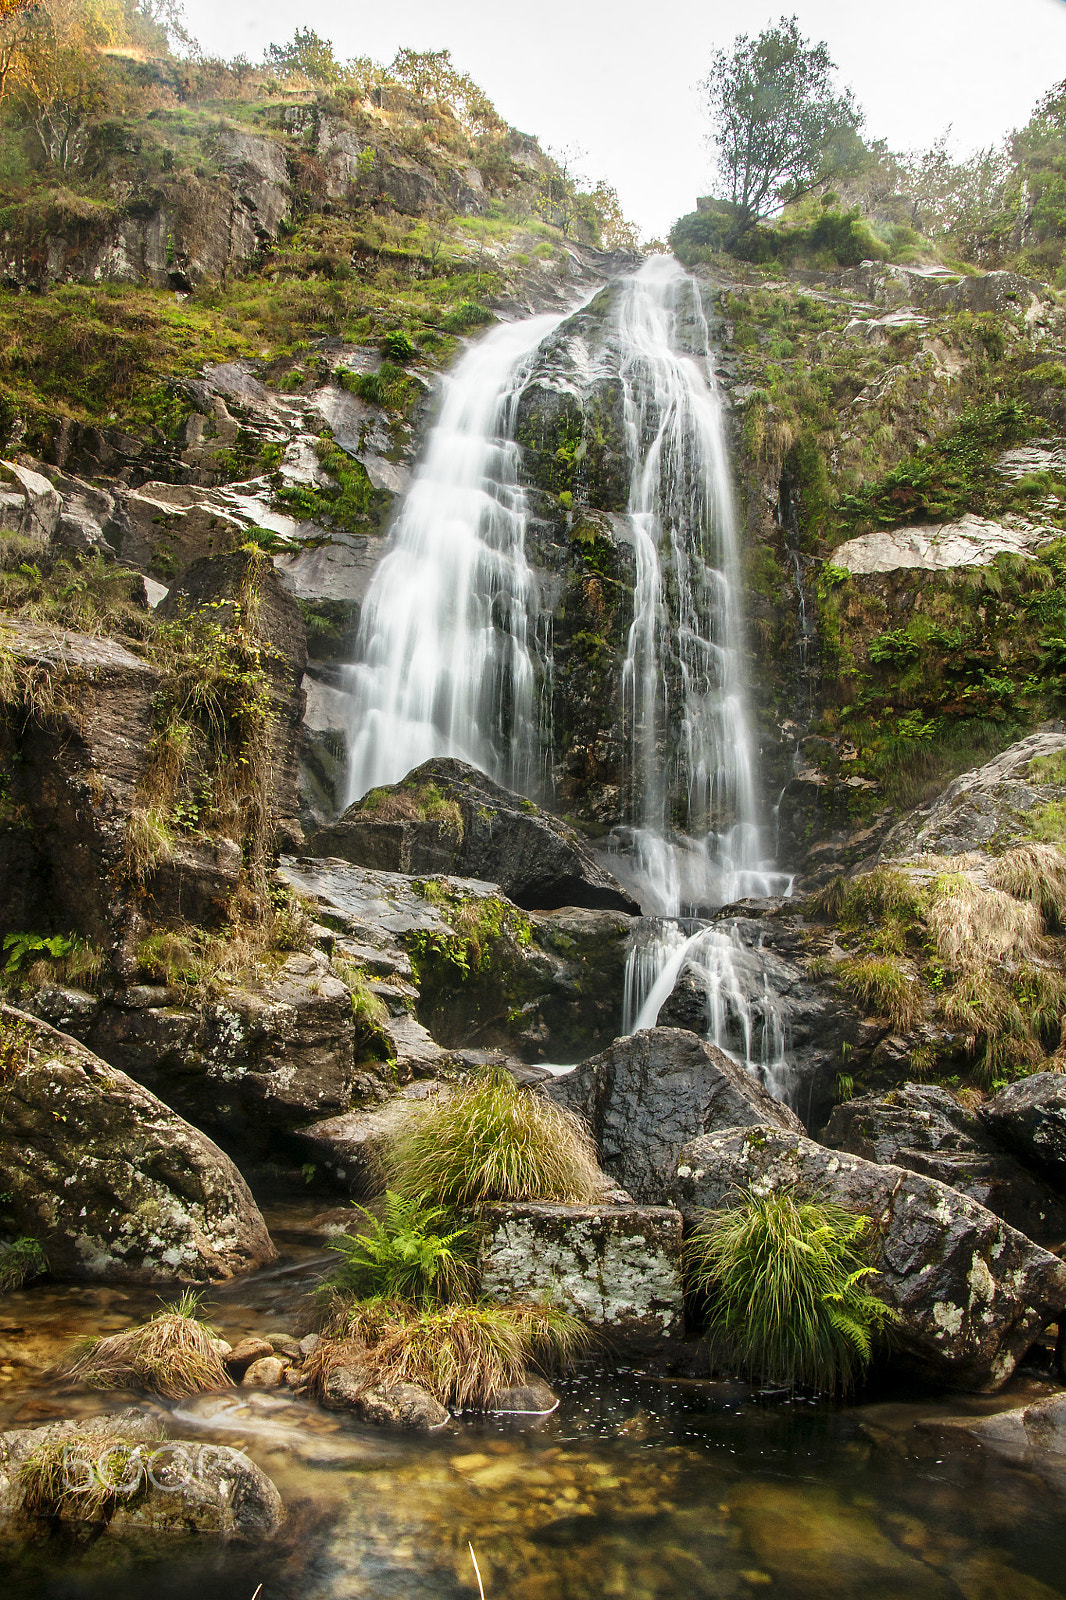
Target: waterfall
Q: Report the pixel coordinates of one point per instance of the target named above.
(445, 660)
(454, 649)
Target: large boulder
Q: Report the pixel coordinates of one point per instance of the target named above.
(971, 1293)
(112, 1182)
(649, 1094)
(160, 1487)
(925, 1129)
(617, 1267)
(1030, 1117)
(484, 831)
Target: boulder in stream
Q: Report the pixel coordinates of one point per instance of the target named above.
(618, 1267)
(648, 1094)
(113, 1183)
(117, 1474)
(471, 827)
(971, 1293)
(1030, 1117)
(924, 1128)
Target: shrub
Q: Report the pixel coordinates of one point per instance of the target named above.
(397, 346)
(464, 316)
(174, 1354)
(19, 1263)
(407, 1255)
(786, 1283)
(495, 1141)
(463, 1354)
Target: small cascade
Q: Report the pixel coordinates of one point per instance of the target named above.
(743, 1016)
(445, 660)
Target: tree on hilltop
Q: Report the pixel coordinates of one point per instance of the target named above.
(779, 125)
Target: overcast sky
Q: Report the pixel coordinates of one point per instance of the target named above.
(618, 78)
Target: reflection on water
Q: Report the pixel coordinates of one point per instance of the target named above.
(634, 1489)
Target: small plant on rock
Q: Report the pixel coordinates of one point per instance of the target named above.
(173, 1354)
(496, 1141)
(786, 1282)
(410, 1253)
(21, 1262)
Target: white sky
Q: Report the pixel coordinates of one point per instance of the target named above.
(618, 77)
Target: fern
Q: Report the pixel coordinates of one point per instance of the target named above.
(407, 1255)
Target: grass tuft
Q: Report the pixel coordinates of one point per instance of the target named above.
(464, 1354)
(173, 1354)
(884, 985)
(786, 1281)
(1035, 872)
(495, 1141)
(20, 1262)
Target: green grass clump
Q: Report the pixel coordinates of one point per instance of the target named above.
(885, 903)
(21, 1261)
(1049, 769)
(495, 1141)
(409, 1254)
(464, 1354)
(173, 1354)
(389, 387)
(885, 985)
(786, 1281)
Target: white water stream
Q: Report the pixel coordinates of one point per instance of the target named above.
(445, 654)
(452, 645)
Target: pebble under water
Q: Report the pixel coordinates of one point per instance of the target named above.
(637, 1488)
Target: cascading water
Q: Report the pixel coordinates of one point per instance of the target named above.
(452, 647)
(445, 658)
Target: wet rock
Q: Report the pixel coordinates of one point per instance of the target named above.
(267, 1372)
(352, 1148)
(1031, 1436)
(75, 775)
(971, 1292)
(649, 1094)
(548, 989)
(538, 861)
(164, 1487)
(984, 806)
(924, 1128)
(530, 1398)
(971, 542)
(111, 1181)
(617, 1267)
(1030, 1117)
(243, 1354)
(402, 1405)
(223, 586)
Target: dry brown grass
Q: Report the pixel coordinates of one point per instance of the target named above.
(173, 1354)
(464, 1354)
(975, 928)
(1036, 873)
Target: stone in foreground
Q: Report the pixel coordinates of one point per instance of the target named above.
(168, 1487)
(647, 1095)
(971, 1293)
(617, 1267)
(1030, 1117)
(112, 1182)
(539, 861)
(401, 1405)
(922, 1127)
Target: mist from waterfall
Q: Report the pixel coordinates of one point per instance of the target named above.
(445, 660)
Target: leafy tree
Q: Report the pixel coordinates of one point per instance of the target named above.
(616, 231)
(305, 53)
(777, 121)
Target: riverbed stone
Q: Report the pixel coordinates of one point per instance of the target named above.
(971, 1293)
(539, 861)
(533, 1397)
(924, 1128)
(241, 1357)
(400, 1405)
(1030, 1117)
(267, 1372)
(352, 1149)
(617, 1267)
(112, 1182)
(648, 1094)
(175, 1486)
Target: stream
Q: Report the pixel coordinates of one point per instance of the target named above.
(648, 1489)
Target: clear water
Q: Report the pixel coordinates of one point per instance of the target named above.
(635, 1488)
